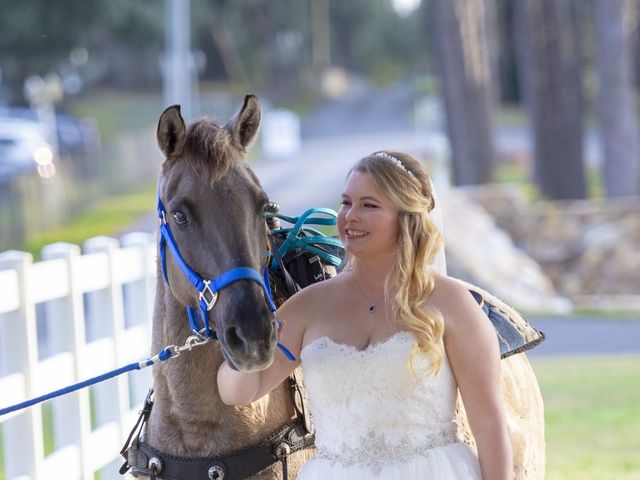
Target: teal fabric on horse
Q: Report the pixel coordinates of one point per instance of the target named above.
(301, 254)
(301, 236)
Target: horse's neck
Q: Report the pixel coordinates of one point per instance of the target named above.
(188, 417)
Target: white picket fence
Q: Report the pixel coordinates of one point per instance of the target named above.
(67, 318)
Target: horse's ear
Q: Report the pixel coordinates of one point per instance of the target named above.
(244, 126)
(171, 132)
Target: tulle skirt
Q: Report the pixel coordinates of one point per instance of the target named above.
(456, 461)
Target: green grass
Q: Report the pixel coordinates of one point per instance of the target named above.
(511, 116)
(517, 173)
(107, 217)
(2, 475)
(592, 416)
(47, 428)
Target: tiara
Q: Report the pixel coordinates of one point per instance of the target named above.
(395, 161)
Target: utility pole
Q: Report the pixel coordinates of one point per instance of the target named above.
(178, 62)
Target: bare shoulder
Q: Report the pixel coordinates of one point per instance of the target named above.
(454, 301)
(467, 331)
(308, 300)
(300, 311)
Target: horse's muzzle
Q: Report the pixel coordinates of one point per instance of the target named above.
(248, 348)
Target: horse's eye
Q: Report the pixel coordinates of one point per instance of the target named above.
(180, 217)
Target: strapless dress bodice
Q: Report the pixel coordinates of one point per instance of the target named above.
(370, 410)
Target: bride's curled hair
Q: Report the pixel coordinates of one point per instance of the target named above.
(405, 183)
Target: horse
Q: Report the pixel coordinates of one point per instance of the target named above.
(215, 206)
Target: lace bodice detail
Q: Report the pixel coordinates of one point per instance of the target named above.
(367, 406)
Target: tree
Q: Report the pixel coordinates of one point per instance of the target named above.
(617, 122)
(371, 38)
(507, 53)
(550, 66)
(462, 57)
(37, 36)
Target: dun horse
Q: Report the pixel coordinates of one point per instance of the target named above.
(214, 206)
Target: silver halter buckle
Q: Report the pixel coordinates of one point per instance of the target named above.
(207, 290)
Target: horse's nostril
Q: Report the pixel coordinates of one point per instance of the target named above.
(234, 339)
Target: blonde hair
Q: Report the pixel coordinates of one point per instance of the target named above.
(405, 183)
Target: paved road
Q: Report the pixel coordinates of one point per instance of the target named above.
(587, 336)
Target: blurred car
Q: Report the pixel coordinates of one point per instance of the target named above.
(22, 146)
(73, 134)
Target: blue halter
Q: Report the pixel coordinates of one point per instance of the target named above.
(208, 290)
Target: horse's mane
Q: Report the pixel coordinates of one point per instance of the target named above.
(208, 149)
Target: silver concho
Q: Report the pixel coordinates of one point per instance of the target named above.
(216, 472)
(155, 464)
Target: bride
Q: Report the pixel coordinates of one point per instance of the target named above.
(386, 344)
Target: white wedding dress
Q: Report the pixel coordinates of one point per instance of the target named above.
(374, 419)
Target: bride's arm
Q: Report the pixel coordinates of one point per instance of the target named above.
(474, 354)
(239, 388)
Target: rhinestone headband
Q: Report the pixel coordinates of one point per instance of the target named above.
(395, 161)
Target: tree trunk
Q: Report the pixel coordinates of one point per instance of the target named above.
(617, 122)
(550, 67)
(635, 42)
(465, 77)
(492, 36)
(510, 90)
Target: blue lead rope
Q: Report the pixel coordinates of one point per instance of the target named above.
(205, 288)
(164, 354)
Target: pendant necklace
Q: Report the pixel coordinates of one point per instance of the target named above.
(372, 305)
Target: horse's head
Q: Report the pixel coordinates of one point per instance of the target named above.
(214, 208)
